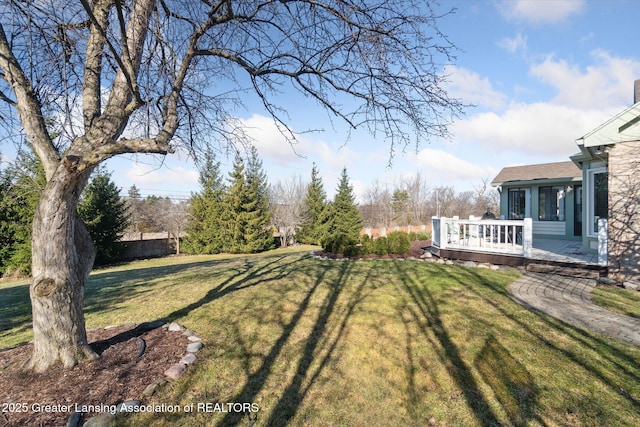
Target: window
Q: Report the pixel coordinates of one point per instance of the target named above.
(598, 180)
(517, 203)
(551, 203)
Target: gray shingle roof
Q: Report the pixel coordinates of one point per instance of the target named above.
(558, 170)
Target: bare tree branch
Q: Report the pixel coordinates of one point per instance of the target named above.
(28, 106)
(91, 99)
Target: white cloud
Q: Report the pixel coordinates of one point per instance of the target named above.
(536, 12)
(445, 166)
(606, 83)
(515, 44)
(158, 177)
(268, 139)
(472, 88)
(359, 190)
(273, 146)
(539, 128)
(585, 97)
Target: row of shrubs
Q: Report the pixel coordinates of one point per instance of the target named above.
(396, 243)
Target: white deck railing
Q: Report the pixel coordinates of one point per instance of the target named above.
(510, 237)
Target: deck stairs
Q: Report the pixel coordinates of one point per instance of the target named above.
(566, 269)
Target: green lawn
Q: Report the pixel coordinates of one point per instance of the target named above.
(365, 343)
(619, 300)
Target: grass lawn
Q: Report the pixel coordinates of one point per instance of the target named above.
(619, 300)
(365, 343)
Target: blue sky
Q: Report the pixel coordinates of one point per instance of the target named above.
(541, 73)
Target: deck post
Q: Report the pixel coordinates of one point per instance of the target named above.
(603, 252)
(443, 232)
(527, 237)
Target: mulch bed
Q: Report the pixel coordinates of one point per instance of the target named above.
(117, 376)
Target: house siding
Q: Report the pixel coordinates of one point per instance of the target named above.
(550, 228)
(624, 211)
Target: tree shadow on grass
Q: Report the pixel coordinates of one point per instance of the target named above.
(246, 277)
(422, 308)
(15, 308)
(605, 349)
(257, 380)
(328, 331)
(309, 369)
(103, 291)
(106, 289)
(511, 382)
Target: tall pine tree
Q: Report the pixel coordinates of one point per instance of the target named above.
(247, 212)
(314, 205)
(343, 223)
(105, 215)
(205, 234)
(258, 232)
(235, 203)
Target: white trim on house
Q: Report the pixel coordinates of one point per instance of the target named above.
(527, 202)
(620, 128)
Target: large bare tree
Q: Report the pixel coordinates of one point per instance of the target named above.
(287, 197)
(91, 79)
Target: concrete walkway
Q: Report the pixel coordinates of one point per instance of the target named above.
(567, 299)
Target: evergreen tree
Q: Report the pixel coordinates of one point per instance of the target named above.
(247, 211)
(258, 233)
(400, 204)
(105, 215)
(6, 233)
(134, 206)
(235, 203)
(204, 229)
(342, 223)
(314, 205)
(133, 192)
(20, 188)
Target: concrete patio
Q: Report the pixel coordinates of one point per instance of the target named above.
(568, 299)
(569, 251)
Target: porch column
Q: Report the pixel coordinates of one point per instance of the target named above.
(527, 237)
(443, 232)
(603, 250)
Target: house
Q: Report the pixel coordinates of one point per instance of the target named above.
(597, 192)
(550, 194)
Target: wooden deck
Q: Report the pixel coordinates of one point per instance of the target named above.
(552, 252)
(511, 242)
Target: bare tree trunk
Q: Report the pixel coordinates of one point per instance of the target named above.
(63, 256)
